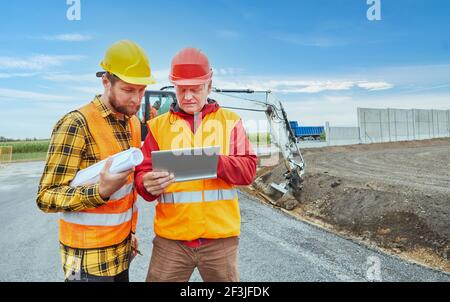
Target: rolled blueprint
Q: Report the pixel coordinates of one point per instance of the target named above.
(122, 162)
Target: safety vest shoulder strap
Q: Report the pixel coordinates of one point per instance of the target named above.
(164, 121)
(160, 120)
(100, 130)
(135, 126)
(102, 133)
(228, 114)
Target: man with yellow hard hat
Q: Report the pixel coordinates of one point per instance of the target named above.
(98, 222)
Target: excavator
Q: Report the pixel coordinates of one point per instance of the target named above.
(281, 134)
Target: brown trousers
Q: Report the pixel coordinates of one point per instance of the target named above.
(172, 261)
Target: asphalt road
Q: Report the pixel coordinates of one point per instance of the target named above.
(273, 246)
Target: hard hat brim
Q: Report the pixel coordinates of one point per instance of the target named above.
(137, 81)
(132, 80)
(189, 82)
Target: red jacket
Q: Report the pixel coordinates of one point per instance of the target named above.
(236, 169)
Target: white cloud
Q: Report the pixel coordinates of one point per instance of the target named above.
(227, 71)
(310, 86)
(36, 62)
(69, 38)
(290, 85)
(22, 95)
(161, 75)
(16, 75)
(91, 90)
(375, 85)
(65, 77)
(407, 78)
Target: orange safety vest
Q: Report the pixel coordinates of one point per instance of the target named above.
(109, 224)
(201, 208)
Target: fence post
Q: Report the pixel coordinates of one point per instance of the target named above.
(358, 116)
(6, 154)
(429, 129)
(437, 123)
(381, 127)
(365, 128)
(432, 123)
(389, 123)
(448, 121)
(327, 132)
(407, 125)
(418, 123)
(395, 124)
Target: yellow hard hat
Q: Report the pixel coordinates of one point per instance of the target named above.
(128, 61)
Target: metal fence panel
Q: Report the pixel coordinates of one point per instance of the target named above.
(387, 125)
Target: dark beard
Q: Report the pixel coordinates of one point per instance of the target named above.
(121, 109)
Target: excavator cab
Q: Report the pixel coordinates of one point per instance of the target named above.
(163, 97)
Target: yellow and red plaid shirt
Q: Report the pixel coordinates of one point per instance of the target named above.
(72, 149)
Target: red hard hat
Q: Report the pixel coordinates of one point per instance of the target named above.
(190, 67)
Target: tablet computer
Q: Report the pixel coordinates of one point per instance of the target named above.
(188, 164)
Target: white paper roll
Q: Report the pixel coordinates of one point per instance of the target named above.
(122, 162)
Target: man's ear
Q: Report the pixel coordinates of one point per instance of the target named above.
(106, 83)
(209, 86)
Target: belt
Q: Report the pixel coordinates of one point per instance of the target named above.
(196, 242)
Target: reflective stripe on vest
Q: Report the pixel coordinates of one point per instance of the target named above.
(100, 219)
(94, 219)
(213, 195)
(122, 192)
(197, 196)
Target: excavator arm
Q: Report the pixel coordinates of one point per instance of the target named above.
(282, 135)
(284, 138)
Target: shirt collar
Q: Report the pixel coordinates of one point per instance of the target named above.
(210, 106)
(104, 111)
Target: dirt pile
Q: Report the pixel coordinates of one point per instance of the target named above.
(394, 195)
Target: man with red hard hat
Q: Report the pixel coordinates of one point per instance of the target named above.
(197, 223)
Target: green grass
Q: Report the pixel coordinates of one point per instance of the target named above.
(28, 150)
(262, 138)
(29, 156)
(27, 146)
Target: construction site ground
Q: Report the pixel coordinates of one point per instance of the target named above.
(395, 196)
(273, 246)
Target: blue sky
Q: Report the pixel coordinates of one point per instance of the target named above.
(323, 58)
